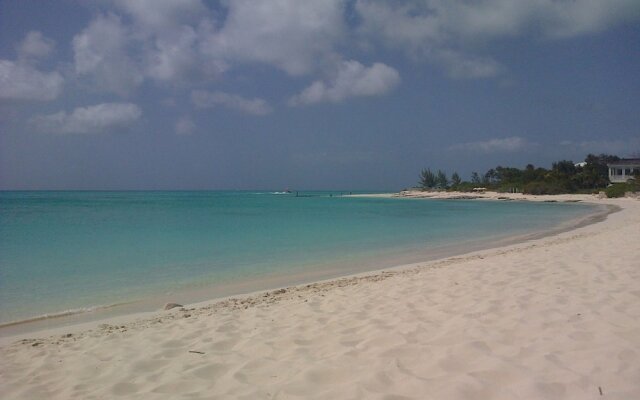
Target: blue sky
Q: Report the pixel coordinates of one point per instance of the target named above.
(332, 94)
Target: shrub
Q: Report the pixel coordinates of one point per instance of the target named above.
(619, 189)
(465, 186)
(540, 187)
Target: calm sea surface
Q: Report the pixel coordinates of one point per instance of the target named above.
(78, 250)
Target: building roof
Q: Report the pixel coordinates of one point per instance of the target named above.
(625, 162)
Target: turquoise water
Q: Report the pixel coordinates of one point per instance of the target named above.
(76, 250)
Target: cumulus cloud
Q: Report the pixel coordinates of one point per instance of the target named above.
(190, 42)
(159, 40)
(101, 51)
(461, 66)
(614, 146)
(175, 58)
(414, 22)
(447, 32)
(184, 43)
(295, 36)
(184, 126)
(159, 15)
(19, 81)
(35, 45)
(352, 80)
(170, 34)
(205, 99)
(505, 145)
(89, 120)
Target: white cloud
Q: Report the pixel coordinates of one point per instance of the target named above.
(101, 51)
(89, 120)
(170, 35)
(159, 15)
(506, 145)
(255, 106)
(295, 36)
(184, 126)
(189, 42)
(461, 66)
(444, 21)
(20, 81)
(35, 45)
(562, 19)
(447, 32)
(174, 57)
(159, 40)
(615, 146)
(352, 80)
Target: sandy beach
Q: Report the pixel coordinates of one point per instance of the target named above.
(551, 318)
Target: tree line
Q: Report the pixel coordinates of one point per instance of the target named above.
(563, 177)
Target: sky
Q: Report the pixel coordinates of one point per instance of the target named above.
(331, 94)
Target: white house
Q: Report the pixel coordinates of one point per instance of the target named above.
(623, 170)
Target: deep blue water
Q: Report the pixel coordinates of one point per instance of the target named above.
(69, 250)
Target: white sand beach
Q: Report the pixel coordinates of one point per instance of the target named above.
(551, 318)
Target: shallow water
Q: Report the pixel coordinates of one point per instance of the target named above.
(62, 251)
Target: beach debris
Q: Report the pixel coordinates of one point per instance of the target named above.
(600, 389)
(186, 315)
(33, 342)
(67, 335)
(196, 352)
(169, 306)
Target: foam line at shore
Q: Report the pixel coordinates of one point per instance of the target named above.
(64, 313)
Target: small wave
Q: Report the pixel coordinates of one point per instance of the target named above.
(61, 314)
(280, 193)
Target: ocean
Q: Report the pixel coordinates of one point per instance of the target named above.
(83, 252)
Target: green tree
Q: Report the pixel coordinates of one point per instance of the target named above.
(475, 178)
(563, 169)
(529, 174)
(455, 179)
(595, 174)
(441, 180)
(427, 179)
(509, 176)
(491, 176)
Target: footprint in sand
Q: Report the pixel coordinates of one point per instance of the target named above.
(550, 390)
(581, 335)
(124, 388)
(181, 388)
(211, 371)
(328, 375)
(173, 343)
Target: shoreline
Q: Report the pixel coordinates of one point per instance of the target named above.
(554, 317)
(92, 316)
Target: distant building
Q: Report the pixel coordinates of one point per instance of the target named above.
(623, 170)
(580, 164)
